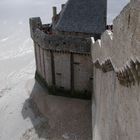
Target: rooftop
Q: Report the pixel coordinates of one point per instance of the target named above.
(83, 16)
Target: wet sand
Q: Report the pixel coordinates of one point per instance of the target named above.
(27, 112)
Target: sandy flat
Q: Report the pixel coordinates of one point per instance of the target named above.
(27, 112)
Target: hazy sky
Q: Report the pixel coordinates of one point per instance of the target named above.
(23, 9)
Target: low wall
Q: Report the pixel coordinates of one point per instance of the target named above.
(116, 95)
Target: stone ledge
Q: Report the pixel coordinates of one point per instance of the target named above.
(58, 43)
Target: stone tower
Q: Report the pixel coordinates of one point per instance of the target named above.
(62, 48)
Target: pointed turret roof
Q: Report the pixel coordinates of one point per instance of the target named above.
(85, 16)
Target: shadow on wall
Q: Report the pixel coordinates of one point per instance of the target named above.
(56, 118)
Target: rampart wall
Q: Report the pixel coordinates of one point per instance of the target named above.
(116, 94)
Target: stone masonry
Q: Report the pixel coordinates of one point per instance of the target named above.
(116, 95)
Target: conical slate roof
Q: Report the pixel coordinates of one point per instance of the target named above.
(85, 16)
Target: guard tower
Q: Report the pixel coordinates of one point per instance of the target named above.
(62, 48)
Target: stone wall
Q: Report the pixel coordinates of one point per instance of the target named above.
(62, 70)
(82, 73)
(48, 72)
(61, 59)
(37, 57)
(57, 42)
(116, 59)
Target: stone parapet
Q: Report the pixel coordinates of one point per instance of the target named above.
(58, 42)
(119, 50)
(34, 24)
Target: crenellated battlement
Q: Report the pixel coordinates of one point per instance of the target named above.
(119, 49)
(116, 60)
(43, 35)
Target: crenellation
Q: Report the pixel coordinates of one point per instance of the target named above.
(116, 78)
(128, 76)
(56, 43)
(34, 24)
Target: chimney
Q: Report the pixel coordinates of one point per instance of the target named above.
(54, 11)
(62, 6)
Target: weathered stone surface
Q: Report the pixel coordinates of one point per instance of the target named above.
(116, 107)
(54, 62)
(48, 72)
(62, 68)
(125, 38)
(83, 73)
